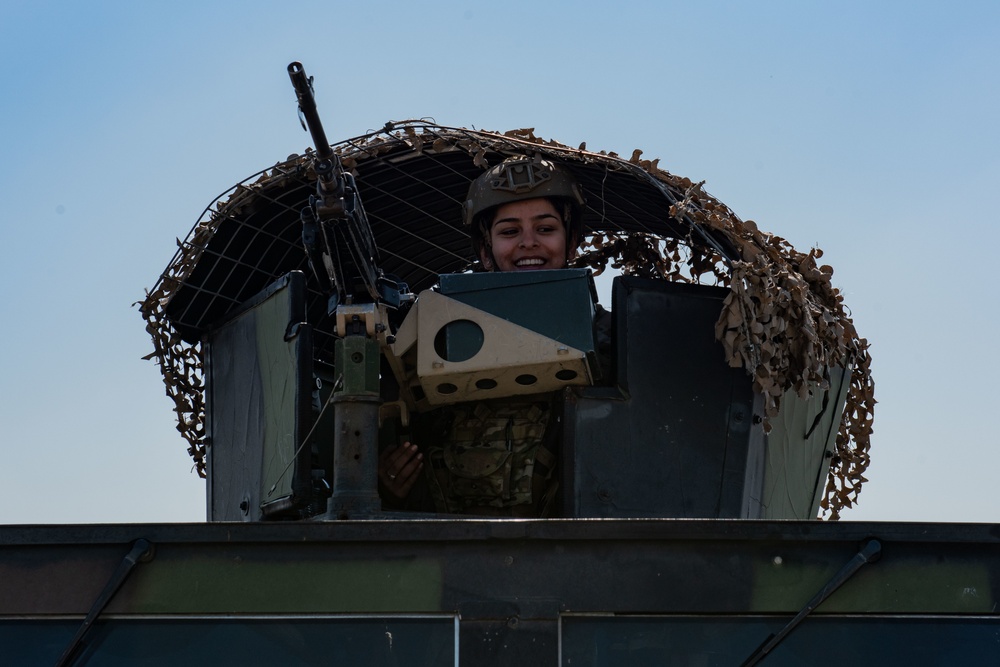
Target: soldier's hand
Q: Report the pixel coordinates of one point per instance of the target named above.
(399, 468)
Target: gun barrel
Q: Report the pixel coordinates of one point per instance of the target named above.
(307, 104)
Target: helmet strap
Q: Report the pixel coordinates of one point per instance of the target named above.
(572, 240)
(486, 249)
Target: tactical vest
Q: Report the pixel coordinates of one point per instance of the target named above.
(495, 458)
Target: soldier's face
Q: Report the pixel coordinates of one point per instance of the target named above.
(527, 235)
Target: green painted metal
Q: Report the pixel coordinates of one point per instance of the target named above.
(300, 581)
(277, 355)
(606, 590)
(800, 446)
(558, 304)
(357, 360)
(900, 584)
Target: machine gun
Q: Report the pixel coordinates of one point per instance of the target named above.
(343, 257)
(335, 228)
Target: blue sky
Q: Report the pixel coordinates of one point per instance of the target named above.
(867, 129)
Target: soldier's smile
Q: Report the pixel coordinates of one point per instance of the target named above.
(528, 235)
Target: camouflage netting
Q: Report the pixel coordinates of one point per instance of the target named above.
(783, 320)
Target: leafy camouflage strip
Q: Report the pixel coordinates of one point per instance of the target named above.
(784, 322)
(182, 370)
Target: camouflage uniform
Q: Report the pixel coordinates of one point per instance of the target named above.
(494, 458)
(497, 458)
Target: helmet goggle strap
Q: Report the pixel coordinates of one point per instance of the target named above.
(486, 252)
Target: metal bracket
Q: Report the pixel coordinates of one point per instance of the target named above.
(141, 551)
(869, 553)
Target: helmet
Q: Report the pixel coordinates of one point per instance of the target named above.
(516, 179)
(519, 178)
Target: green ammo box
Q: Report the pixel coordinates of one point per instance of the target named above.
(558, 304)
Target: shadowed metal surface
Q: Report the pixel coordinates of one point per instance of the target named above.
(611, 592)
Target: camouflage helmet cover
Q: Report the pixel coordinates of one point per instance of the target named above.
(517, 179)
